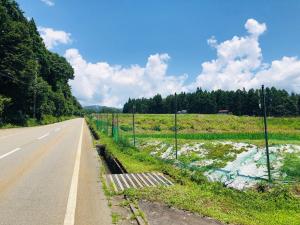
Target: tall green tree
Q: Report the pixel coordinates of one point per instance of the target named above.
(32, 77)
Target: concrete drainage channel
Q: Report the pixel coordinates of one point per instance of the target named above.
(120, 179)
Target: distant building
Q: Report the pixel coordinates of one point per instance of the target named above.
(182, 112)
(224, 111)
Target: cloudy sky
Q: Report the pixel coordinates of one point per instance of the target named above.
(138, 48)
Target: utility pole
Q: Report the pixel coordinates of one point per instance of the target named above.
(266, 133)
(175, 125)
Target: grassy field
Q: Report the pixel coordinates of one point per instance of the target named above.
(196, 123)
(278, 205)
(209, 127)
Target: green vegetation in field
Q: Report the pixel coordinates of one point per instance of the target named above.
(291, 166)
(210, 127)
(221, 154)
(226, 136)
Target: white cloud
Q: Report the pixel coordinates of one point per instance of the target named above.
(239, 64)
(255, 28)
(53, 37)
(48, 2)
(112, 85)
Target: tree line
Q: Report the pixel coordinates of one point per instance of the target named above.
(33, 80)
(239, 102)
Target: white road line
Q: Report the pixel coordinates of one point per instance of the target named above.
(71, 206)
(41, 137)
(9, 153)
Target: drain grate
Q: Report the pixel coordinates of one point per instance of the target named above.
(120, 182)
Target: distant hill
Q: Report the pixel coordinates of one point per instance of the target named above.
(100, 109)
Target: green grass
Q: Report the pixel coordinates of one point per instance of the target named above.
(115, 217)
(278, 205)
(291, 166)
(197, 123)
(224, 136)
(209, 127)
(275, 207)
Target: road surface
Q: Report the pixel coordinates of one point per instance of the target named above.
(49, 175)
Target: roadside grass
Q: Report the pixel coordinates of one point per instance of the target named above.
(275, 207)
(278, 205)
(115, 218)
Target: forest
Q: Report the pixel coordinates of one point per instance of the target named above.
(33, 80)
(239, 102)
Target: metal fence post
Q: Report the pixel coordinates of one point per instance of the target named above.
(133, 123)
(107, 124)
(112, 125)
(266, 133)
(117, 130)
(101, 123)
(175, 129)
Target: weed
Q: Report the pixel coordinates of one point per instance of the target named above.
(115, 217)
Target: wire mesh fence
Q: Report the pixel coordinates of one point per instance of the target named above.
(237, 150)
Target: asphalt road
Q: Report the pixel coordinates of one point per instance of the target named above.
(49, 175)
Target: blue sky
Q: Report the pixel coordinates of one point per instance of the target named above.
(128, 32)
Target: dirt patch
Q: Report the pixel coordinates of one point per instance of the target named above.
(158, 214)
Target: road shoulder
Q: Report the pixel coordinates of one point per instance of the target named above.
(92, 206)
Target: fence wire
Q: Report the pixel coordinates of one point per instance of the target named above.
(225, 148)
